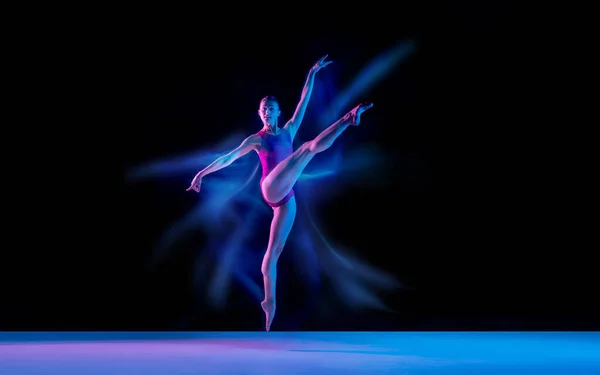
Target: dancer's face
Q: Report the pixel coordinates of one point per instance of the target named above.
(269, 112)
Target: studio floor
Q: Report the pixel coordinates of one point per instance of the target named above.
(290, 353)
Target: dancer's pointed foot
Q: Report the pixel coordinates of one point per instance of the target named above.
(269, 309)
(354, 114)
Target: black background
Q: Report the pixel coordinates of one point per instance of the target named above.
(465, 220)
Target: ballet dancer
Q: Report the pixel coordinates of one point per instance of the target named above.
(281, 168)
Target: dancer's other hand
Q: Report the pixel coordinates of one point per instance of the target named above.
(195, 185)
(320, 64)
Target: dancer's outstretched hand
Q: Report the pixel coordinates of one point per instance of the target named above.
(195, 186)
(320, 64)
(353, 117)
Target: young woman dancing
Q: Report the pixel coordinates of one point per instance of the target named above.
(281, 168)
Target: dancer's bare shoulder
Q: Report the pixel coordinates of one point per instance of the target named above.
(253, 142)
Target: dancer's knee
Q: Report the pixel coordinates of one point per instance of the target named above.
(315, 146)
(268, 267)
(311, 146)
(269, 264)
(306, 148)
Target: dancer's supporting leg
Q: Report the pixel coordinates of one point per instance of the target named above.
(283, 219)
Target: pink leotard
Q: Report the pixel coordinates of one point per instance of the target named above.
(273, 150)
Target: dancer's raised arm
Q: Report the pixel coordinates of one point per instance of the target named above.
(294, 123)
(247, 145)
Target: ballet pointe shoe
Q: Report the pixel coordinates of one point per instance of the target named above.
(269, 309)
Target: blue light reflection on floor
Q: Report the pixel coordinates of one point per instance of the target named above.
(207, 353)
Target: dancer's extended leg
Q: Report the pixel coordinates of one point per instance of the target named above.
(283, 177)
(283, 219)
